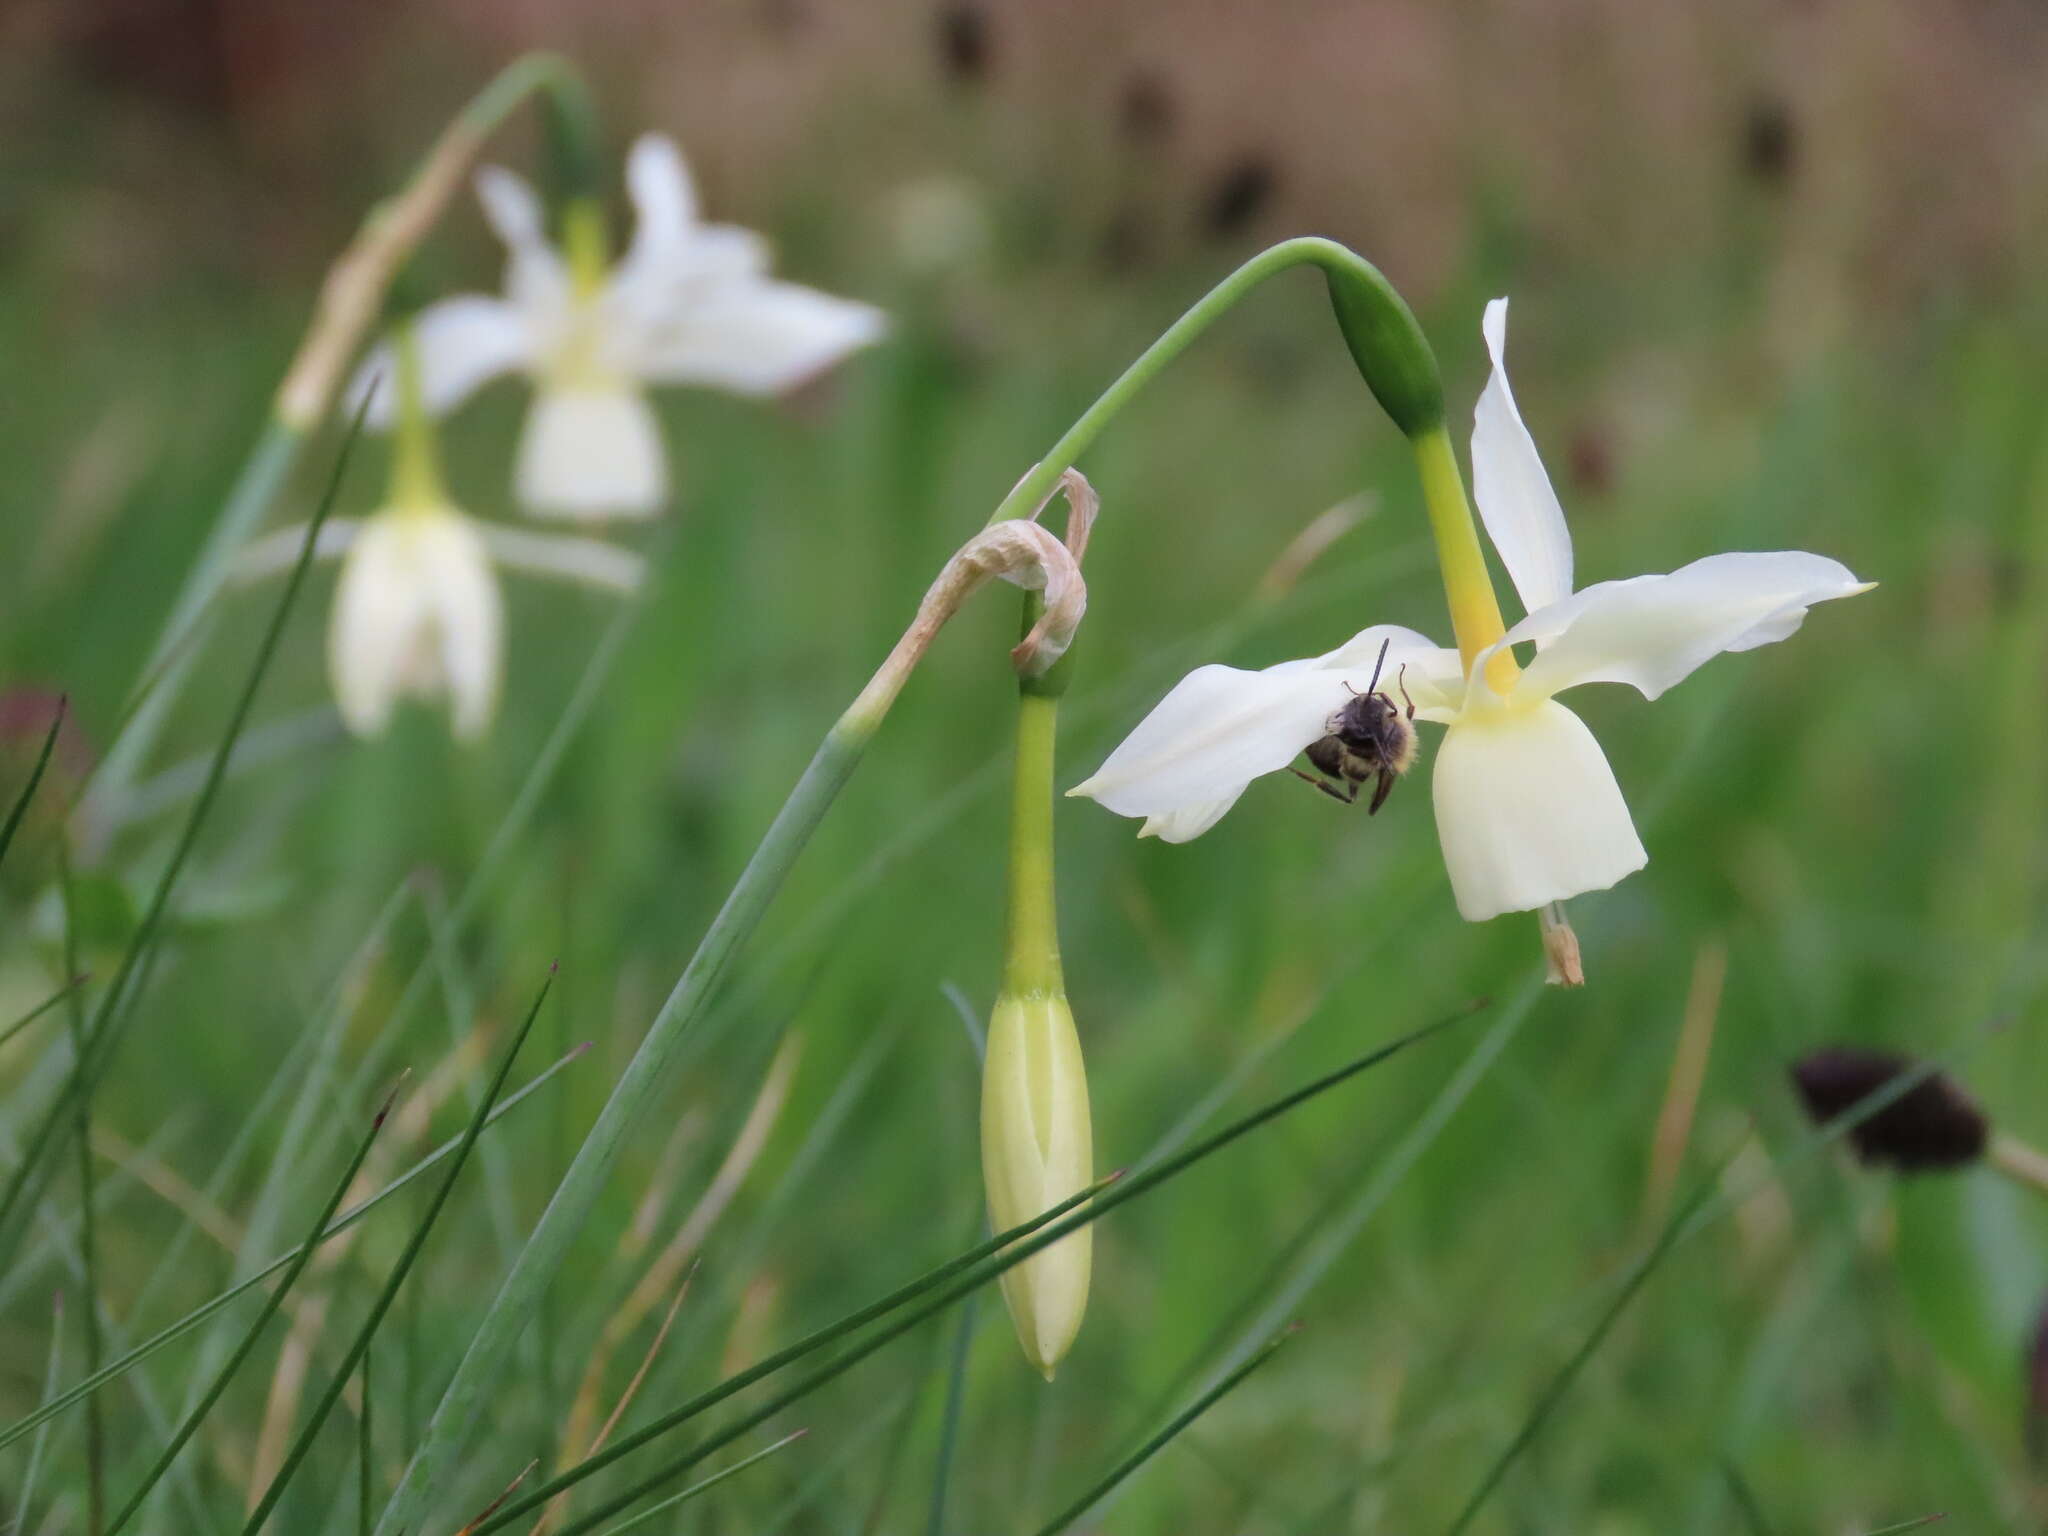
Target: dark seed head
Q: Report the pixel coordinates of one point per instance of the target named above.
(1933, 1125)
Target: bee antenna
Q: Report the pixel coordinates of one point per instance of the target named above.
(1373, 686)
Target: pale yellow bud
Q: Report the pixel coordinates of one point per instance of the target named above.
(1036, 1151)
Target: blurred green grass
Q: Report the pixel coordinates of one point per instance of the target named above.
(1855, 815)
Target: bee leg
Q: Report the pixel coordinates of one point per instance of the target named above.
(1380, 793)
(1326, 787)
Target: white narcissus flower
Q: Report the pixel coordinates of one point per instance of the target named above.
(1527, 809)
(416, 613)
(689, 303)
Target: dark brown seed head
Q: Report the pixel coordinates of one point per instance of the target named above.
(1931, 1126)
(963, 43)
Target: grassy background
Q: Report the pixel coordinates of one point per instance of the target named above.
(1848, 827)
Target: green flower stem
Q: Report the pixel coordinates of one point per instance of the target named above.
(1384, 339)
(415, 459)
(1031, 951)
(350, 302)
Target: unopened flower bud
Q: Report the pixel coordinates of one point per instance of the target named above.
(1037, 1150)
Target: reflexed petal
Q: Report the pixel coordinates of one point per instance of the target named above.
(380, 613)
(536, 280)
(1528, 812)
(469, 619)
(588, 453)
(757, 337)
(463, 342)
(1218, 729)
(1222, 727)
(1652, 631)
(1516, 502)
(1190, 821)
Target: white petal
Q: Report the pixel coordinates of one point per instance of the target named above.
(463, 342)
(469, 619)
(665, 205)
(756, 336)
(1515, 498)
(380, 612)
(1222, 727)
(1190, 821)
(591, 453)
(1652, 631)
(536, 280)
(1528, 811)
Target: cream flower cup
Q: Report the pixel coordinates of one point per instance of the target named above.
(689, 303)
(417, 613)
(1527, 809)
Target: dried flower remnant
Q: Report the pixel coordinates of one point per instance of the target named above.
(1932, 1126)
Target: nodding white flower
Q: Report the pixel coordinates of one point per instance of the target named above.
(689, 303)
(417, 613)
(1527, 809)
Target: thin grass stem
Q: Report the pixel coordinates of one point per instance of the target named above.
(406, 1259)
(31, 1175)
(170, 1334)
(1158, 1442)
(714, 1479)
(28, 790)
(253, 1334)
(88, 1225)
(1100, 1202)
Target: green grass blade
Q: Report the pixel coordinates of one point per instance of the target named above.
(365, 1444)
(1532, 1424)
(254, 1333)
(1745, 1499)
(28, 790)
(1908, 1525)
(1012, 1254)
(361, 1344)
(714, 1479)
(88, 1227)
(55, 1364)
(1706, 1201)
(31, 1175)
(42, 1008)
(1157, 1443)
(171, 1333)
(949, 1421)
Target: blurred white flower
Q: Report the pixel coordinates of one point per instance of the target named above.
(416, 613)
(689, 303)
(1527, 809)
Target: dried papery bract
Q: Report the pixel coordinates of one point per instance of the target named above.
(1015, 551)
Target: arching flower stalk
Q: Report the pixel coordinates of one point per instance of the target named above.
(689, 303)
(1528, 812)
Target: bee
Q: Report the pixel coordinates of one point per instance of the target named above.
(1369, 738)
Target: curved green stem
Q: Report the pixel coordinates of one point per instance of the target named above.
(1378, 327)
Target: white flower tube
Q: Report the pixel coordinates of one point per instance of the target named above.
(416, 613)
